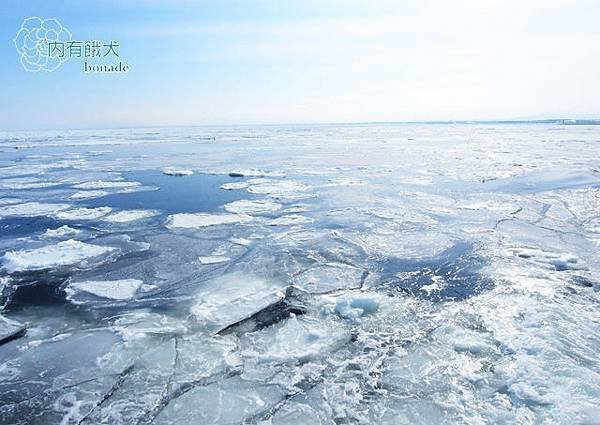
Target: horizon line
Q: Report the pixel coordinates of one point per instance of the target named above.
(559, 121)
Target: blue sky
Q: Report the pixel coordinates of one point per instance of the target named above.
(274, 61)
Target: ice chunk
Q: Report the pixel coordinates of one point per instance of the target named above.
(234, 297)
(241, 241)
(172, 171)
(61, 232)
(357, 305)
(247, 207)
(100, 184)
(10, 329)
(32, 209)
(66, 253)
(114, 289)
(83, 213)
(131, 215)
(213, 259)
(89, 194)
(198, 220)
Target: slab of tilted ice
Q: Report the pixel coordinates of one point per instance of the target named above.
(213, 259)
(233, 297)
(89, 194)
(32, 209)
(10, 329)
(131, 215)
(171, 171)
(101, 184)
(66, 253)
(247, 207)
(198, 220)
(241, 241)
(113, 289)
(291, 220)
(61, 232)
(83, 213)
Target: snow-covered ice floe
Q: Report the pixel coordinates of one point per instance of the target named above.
(32, 209)
(130, 215)
(66, 253)
(247, 207)
(199, 220)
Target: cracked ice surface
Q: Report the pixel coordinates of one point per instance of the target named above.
(357, 274)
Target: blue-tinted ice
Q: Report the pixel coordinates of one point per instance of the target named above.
(350, 274)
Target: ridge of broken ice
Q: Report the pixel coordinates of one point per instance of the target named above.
(62, 231)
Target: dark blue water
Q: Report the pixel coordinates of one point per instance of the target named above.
(176, 194)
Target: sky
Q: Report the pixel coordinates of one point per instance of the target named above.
(304, 61)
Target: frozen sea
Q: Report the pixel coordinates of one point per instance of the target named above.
(331, 274)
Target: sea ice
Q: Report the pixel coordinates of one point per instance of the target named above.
(199, 220)
(66, 253)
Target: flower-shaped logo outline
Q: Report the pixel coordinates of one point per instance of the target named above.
(33, 43)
